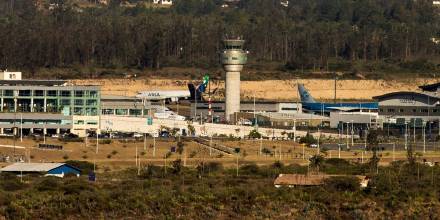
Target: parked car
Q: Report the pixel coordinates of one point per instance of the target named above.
(137, 135)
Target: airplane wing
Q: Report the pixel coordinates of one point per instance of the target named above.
(345, 109)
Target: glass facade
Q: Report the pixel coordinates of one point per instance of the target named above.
(69, 100)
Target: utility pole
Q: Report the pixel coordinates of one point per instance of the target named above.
(294, 130)
(336, 78)
(137, 161)
(319, 136)
(21, 127)
(255, 122)
(406, 135)
(145, 142)
(210, 145)
(97, 141)
(304, 155)
(394, 149)
(339, 143)
(154, 146)
(346, 137)
(424, 139)
(195, 103)
(352, 133)
(414, 136)
(261, 146)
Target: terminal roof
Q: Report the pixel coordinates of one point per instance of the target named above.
(33, 82)
(31, 167)
(424, 94)
(430, 87)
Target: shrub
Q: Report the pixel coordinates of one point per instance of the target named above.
(343, 183)
(151, 171)
(114, 152)
(210, 167)
(192, 154)
(308, 140)
(66, 157)
(266, 151)
(84, 166)
(249, 169)
(254, 134)
(11, 184)
(177, 166)
(105, 141)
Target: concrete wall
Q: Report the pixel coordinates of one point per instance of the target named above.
(355, 117)
(131, 124)
(232, 94)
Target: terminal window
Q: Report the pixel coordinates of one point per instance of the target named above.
(79, 93)
(136, 112)
(38, 93)
(121, 111)
(8, 93)
(79, 122)
(52, 93)
(65, 101)
(93, 94)
(289, 109)
(24, 93)
(92, 102)
(77, 111)
(65, 93)
(79, 102)
(108, 111)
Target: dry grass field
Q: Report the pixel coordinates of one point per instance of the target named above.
(120, 155)
(286, 90)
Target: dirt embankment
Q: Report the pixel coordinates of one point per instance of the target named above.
(285, 90)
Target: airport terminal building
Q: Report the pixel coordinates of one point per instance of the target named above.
(47, 106)
(218, 108)
(411, 107)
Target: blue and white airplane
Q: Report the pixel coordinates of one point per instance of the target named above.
(309, 104)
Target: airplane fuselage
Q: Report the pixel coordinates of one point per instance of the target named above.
(321, 107)
(164, 95)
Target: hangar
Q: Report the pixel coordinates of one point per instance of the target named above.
(411, 107)
(47, 169)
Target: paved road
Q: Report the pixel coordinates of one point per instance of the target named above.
(11, 146)
(384, 146)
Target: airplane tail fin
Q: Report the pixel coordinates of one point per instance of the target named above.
(195, 92)
(305, 95)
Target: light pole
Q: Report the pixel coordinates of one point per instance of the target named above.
(424, 139)
(352, 133)
(319, 136)
(21, 127)
(346, 137)
(414, 126)
(406, 135)
(195, 103)
(339, 143)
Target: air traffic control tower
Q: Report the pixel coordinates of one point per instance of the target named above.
(233, 58)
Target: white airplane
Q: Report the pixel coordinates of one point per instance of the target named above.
(193, 92)
(169, 115)
(171, 95)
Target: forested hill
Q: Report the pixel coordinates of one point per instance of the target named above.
(307, 35)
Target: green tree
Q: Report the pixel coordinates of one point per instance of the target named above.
(373, 142)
